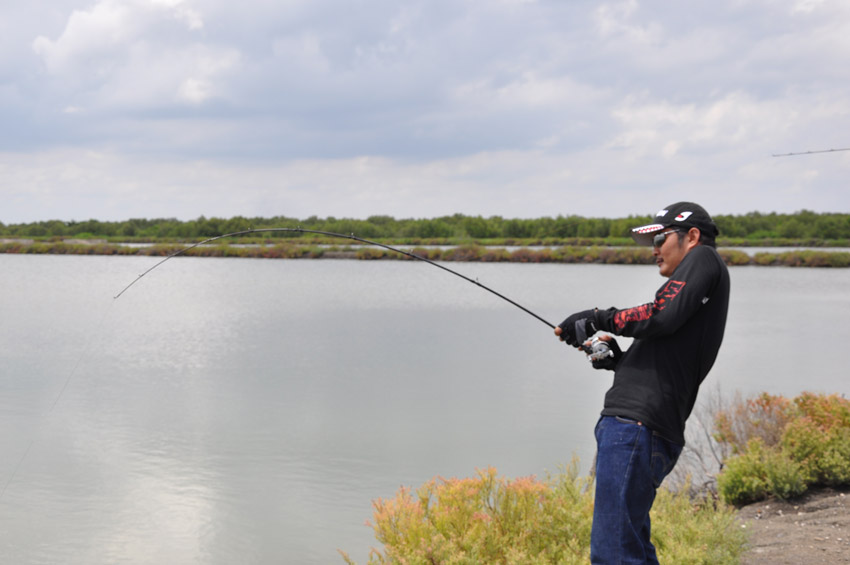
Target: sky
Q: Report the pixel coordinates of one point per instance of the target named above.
(119, 109)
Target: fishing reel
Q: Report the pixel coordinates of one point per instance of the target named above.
(597, 349)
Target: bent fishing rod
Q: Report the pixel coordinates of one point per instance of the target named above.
(810, 152)
(344, 236)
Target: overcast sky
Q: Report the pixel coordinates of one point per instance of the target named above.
(118, 109)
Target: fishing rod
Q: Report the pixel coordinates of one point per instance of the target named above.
(810, 152)
(344, 236)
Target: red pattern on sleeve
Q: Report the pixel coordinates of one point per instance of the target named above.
(645, 311)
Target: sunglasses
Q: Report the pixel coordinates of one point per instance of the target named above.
(659, 239)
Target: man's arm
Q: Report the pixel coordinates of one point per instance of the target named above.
(687, 289)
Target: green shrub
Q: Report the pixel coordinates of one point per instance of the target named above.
(688, 532)
(758, 472)
(488, 519)
(462, 253)
(819, 439)
(433, 254)
(494, 255)
(807, 258)
(734, 257)
(765, 259)
(636, 256)
(813, 447)
(785, 477)
(744, 478)
(368, 253)
(524, 255)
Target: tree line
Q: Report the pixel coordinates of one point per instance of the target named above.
(802, 225)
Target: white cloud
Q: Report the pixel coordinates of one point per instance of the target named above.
(112, 54)
(418, 107)
(528, 89)
(807, 6)
(667, 127)
(529, 183)
(195, 90)
(191, 17)
(89, 36)
(615, 19)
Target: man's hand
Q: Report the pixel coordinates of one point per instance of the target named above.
(577, 328)
(609, 362)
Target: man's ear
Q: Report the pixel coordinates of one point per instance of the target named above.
(692, 238)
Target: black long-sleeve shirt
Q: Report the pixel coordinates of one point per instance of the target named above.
(677, 338)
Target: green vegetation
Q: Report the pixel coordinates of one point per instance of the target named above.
(769, 445)
(803, 259)
(488, 519)
(288, 249)
(782, 448)
(801, 228)
(570, 239)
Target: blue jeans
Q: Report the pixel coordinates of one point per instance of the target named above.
(631, 462)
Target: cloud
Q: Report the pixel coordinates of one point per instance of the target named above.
(417, 106)
(133, 56)
(731, 121)
(93, 37)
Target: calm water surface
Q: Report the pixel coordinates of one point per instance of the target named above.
(236, 410)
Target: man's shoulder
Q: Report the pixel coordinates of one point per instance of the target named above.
(704, 253)
(703, 260)
(705, 250)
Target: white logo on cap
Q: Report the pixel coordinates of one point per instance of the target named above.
(662, 213)
(683, 216)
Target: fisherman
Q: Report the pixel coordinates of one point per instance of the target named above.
(640, 433)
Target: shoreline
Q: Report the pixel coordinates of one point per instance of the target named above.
(568, 254)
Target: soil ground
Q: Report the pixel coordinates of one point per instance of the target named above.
(814, 528)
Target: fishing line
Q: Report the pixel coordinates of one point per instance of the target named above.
(344, 236)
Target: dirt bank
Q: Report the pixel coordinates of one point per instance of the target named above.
(814, 528)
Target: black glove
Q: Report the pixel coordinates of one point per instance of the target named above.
(577, 328)
(609, 362)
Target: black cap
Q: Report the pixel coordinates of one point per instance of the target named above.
(682, 215)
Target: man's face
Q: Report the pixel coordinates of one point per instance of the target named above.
(670, 253)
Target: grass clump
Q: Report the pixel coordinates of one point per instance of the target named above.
(701, 531)
(490, 519)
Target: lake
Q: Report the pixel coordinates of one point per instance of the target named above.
(247, 410)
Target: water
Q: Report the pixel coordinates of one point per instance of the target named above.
(237, 410)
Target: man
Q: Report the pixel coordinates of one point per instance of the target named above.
(641, 431)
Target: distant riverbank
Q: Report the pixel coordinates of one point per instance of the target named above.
(469, 253)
